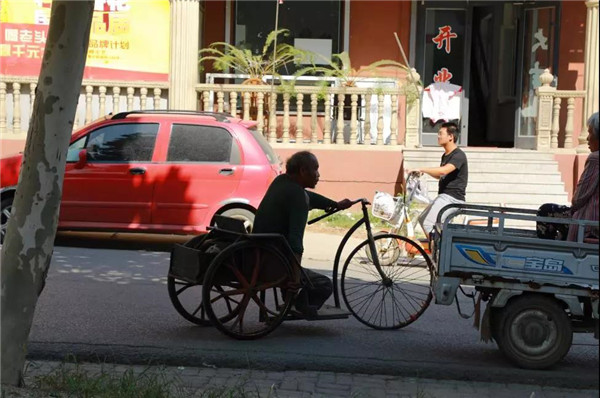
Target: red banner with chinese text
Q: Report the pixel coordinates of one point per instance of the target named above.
(129, 39)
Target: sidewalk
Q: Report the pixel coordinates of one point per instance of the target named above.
(212, 382)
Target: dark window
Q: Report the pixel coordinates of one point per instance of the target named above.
(131, 142)
(310, 21)
(193, 143)
(268, 151)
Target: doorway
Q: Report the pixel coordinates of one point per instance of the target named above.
(495, 52)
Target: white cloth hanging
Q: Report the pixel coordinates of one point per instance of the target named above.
(441, 101)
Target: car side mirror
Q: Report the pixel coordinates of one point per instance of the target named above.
(82, 159)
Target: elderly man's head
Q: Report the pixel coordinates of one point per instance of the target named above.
(593, 141)
(304, 168)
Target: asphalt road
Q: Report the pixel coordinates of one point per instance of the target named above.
(112, 305)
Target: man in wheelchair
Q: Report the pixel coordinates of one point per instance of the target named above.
(284, 210)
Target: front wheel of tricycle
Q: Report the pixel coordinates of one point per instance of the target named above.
(535, 332)
(248, 290)
(395, 300)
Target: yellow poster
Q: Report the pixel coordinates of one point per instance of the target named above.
(129, 39)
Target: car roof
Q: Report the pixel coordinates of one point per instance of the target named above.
(216, 116)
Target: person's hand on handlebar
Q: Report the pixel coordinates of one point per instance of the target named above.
(344, 204)
(415, 172)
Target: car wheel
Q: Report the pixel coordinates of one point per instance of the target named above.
(241, 214)
(5, 209)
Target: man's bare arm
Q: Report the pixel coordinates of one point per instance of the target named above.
(436, 172)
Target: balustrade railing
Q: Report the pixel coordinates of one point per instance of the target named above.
(312, 114)
(97, 98)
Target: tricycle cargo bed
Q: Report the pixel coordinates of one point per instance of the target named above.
(501, 254)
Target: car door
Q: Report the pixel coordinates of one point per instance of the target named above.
(203, 170)
(113, 187)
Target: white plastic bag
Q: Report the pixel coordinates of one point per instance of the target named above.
(420, 190)
(384, 206)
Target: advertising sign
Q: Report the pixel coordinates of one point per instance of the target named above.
(129, 39)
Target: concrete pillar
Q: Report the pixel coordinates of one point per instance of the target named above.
(591, 66)
(183, 70)
(543, 127)
(412, 137)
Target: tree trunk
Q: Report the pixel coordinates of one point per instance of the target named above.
(29, 241)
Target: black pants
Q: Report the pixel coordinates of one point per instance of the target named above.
(317, 290)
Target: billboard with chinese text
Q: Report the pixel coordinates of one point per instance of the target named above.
(129, 39)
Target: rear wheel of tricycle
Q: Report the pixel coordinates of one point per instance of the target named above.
(187, 297)
(535, 332)
(395, 300)
(248, 290)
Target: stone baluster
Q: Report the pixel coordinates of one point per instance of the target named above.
(157, 92)
(102, 101)
(220, 100)
(273, 119)
(286, 118)
(75, 120)
(545, 95)
(313, 118)
(394, 139)
(206, 101)
(327, 120)
(2, 108)
(299, 121)
(569, 126)
(380, 119)
(89, 93)
(130, 91)
(339, 134)
(32, 88)
(367, 137)
(233, 103)
(353, 119)
(260, 117)
(555, 123)
(116, 100)
(247, 101)
(16, 108)
(143, 98)
(413, 116)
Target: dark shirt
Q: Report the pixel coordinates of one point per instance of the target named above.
(284, 210)
(455, 183)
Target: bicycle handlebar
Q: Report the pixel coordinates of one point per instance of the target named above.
(363, 201)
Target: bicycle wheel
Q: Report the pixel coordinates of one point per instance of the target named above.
(248, 289)
(388, 250)
(390, 304)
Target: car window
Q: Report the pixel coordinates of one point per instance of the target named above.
(130, 142)
(268, 151)
(74, 149)
(195, 143)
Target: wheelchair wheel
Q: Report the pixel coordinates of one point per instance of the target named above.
(185, 296)
(394, 303)
(248, 290)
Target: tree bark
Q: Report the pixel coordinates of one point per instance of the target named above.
(29, 241)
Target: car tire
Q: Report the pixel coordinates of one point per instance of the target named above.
(241, 214)
(5, 209)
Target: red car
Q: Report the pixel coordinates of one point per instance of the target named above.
(158, 171)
